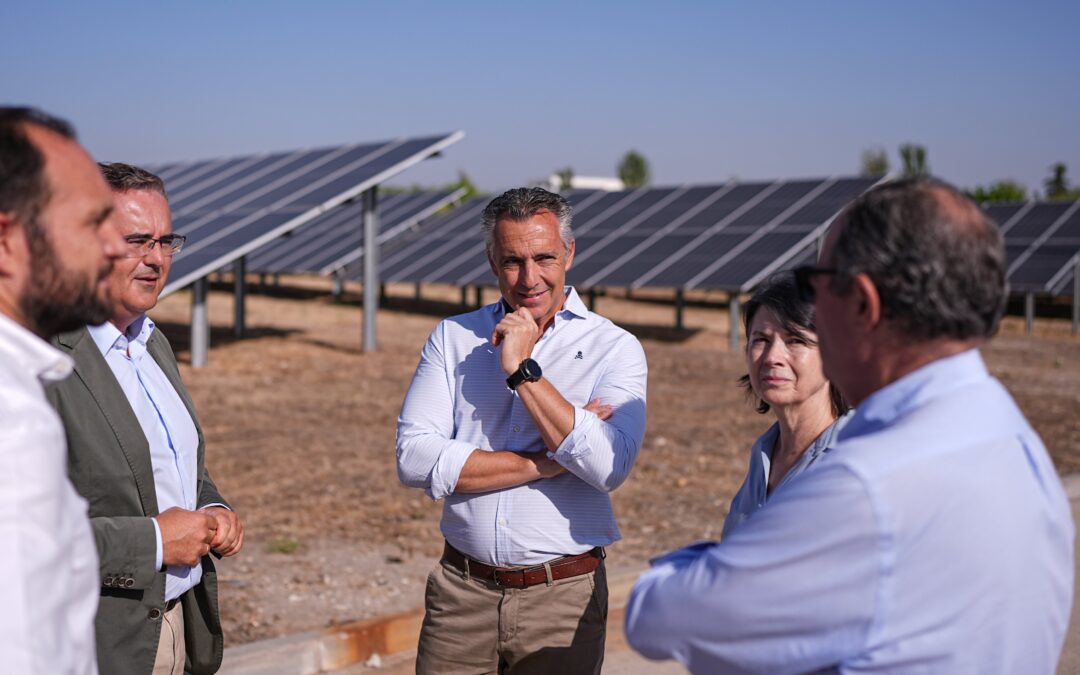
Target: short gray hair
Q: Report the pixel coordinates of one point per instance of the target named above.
(936, 258)
(522, 204)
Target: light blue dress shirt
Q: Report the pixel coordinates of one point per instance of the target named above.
(755, 488)
(935, 537)
(167, 425)
(458, 401)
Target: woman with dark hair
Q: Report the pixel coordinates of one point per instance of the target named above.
(784, 375)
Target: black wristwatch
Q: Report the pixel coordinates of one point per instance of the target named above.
(528, 371)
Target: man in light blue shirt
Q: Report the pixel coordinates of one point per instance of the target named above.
(136, 454)
(522, 416)
(935, 537)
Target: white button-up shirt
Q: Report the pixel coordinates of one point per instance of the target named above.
(48, 562)
(167, 425)
(935, 537)
(459, 402)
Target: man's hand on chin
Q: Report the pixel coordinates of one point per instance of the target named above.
(517, 334)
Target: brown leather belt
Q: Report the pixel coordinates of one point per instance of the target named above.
(523, 577)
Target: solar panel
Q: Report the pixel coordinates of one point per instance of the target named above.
(698, 236)
(1042, 243)
(229, 208)
(335, 238)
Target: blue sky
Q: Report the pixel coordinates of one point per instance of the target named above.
(706, 91)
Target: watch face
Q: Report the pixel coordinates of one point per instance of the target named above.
(531, 369)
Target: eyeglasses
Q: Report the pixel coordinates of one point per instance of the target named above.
(804, 274)
(141, 245)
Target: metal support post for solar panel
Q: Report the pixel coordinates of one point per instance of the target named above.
(417, 292)
(592, 299)
(277, 279)
(200, 323)
(262, 282)
(371, 268)
(382, 294)
(465, 296)
(680, 305)
(338, 287)
(1076, 297)
(733, 319)
(1029, 313)
(479, 290)
(239, 295)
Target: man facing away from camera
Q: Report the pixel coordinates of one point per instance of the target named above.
(136, 453)
(522, 416)
(935, 537)
(55, 253)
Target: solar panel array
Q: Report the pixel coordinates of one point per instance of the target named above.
(1042, 244)
(724, 237)
(229, 208)
(336, 238)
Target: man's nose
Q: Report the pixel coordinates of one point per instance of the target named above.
(530, 274)
(156, 255)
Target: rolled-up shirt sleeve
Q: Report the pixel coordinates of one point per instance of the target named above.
(427, 455)
(602, 453)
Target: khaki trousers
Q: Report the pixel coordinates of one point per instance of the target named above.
(171, 655)
(473, 626)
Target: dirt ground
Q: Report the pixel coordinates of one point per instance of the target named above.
(300, 438)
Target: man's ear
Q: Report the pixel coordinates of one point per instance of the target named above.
(8, 228)
(868, 301)
(570, 253)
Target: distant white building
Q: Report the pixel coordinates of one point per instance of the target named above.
(586, 183)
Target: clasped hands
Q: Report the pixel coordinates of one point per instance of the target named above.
(186, 536)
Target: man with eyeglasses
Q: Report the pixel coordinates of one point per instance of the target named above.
(935, 536)
(136, 453)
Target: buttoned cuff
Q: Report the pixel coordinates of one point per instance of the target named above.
(158, 549)
(444, 476)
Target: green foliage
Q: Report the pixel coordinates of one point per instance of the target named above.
(1057, 185)
(465, 183)
(633, 170)
(913, 157)
(1001, 191)
(875, 162)
(286, 545)
(566, 178)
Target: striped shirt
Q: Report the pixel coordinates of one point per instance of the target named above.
(458, 401)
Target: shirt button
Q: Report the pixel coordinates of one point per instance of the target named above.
(517, 429)
(503, 522)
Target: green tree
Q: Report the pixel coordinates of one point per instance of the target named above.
(1057, 185)
(633, 170)
(875, 162)
(913, 157)
(464, 182)
(1001, 191)
(566, 178)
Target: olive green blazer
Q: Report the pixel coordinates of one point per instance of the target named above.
(109, 464)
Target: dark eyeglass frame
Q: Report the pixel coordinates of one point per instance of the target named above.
(140, 245)
(803, 276)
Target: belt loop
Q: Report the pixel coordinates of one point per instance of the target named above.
(547, 572)
(467, 576)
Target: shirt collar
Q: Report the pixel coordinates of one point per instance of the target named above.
(47, 363)
(132, 341)
(917, 388)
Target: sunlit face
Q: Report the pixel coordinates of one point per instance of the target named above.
(785, 368)
(135, 283)
(530, 261)
(70, 261)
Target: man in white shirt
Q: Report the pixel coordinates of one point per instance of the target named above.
(935, 536)
(136, 453)
(54, 254)
(522, 416)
